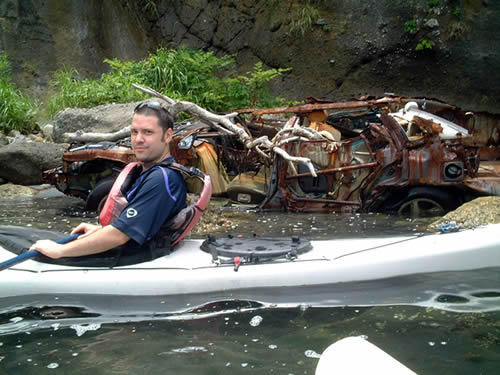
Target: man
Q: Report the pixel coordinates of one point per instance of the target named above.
(157, 194)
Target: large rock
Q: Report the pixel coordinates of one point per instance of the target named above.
(478, 212)
(11, 190)
(23, 163)
(101, 119)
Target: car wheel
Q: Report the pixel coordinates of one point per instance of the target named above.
(98, 195)
(423, 201)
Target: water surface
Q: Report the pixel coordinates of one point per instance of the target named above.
(442, 323)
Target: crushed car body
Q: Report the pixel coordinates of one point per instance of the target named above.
(382, 154)
(376, 158)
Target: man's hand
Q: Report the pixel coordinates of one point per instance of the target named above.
(86, 229)
(48, 248)
(94, 240)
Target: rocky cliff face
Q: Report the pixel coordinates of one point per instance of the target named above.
(446, 49)
(40, 36)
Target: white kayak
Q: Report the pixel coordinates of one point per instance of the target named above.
(357, 356)
(189, 270)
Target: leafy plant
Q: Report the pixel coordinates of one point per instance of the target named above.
(150, 6)
(17, 111)
(253, 86)
(411, 26)
(457, 12)
(182, 74)
(327, 28)
(303, 20)
(423, 45)
(434, 3)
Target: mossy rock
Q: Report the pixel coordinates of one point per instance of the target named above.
(473, 214)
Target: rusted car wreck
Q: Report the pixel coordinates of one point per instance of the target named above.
(379, 159)
(385, 154)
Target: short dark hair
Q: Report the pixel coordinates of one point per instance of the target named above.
(165, 119)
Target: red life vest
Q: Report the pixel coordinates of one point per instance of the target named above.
(176, 228)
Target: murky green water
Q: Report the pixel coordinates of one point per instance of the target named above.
(445, 323)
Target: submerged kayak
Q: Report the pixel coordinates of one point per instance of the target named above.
(195, 268)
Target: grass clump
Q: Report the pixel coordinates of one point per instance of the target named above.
(423, 45)
(182, 74)
(411, 26)
(17, 111)
(303, 20)
(434, 3)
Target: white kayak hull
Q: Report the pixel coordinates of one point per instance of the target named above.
(357, 356)
(189, 270)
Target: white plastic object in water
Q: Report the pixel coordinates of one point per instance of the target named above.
(355, 355)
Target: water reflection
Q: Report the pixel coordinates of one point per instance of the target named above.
(287, 341)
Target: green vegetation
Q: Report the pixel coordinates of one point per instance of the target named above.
(411, 26)
(183, 74)
(300, 16)
(149, 6)
(303, 20)
(16, 110)
(251, 90)
(457, 12)
(434, 3)
(423, 45)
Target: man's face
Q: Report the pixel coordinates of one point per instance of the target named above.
(150, 143)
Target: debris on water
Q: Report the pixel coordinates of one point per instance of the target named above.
(55, 326)
(311, 354)
(16, 319)
(81, 329)
(53, 365)
(186, 350)
(256, 320)
(431, 343)
(273, 346)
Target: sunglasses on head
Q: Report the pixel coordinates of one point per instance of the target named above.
(153, 105)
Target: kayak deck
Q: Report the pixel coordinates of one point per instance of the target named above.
(189, 270)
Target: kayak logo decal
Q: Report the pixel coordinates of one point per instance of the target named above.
(131, 212)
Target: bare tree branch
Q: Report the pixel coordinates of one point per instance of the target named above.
(80, 136)
(223, 124)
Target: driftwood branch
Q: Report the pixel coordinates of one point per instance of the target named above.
(223, 124)
(80, 136)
